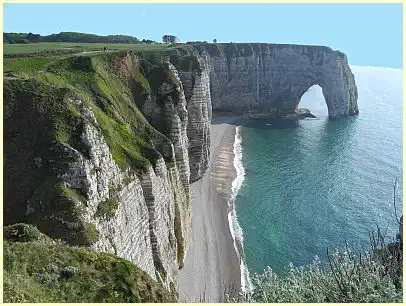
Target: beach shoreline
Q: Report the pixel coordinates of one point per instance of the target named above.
(213, 265)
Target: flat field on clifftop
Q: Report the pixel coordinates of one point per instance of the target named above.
(20, 49)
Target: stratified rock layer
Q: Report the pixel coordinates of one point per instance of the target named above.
(197, 92)
(126, 232)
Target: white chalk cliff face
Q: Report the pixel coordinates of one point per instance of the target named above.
(197, 92)
(151, 222)
(273, 77)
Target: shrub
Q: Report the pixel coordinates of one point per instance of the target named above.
(22, 233)
(108, 208)
(40, 271)
(348, 278)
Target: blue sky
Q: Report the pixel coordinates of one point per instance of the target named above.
(370, 34)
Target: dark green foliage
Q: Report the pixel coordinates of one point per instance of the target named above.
(69, 37)
(33, 37)
(37, 118)
(373, 276)
(40, 125)
(148, 41)
(349, 279)
(185, 63)
(45, 271)
(89, 38)
(90, 234)
(21, 232)
(107, 208)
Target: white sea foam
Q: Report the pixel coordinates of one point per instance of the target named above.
(235, 228)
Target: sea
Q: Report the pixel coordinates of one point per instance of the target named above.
(319, 184)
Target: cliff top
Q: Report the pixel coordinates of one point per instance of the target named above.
(45, 49)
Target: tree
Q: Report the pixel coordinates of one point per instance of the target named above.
(33, 37)
(214, 41)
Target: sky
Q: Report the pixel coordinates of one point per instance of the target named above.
(370, 34)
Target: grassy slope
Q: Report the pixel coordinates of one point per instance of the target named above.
(41, 270)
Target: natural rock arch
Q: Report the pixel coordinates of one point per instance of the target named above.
(339, 96)
(273, 77)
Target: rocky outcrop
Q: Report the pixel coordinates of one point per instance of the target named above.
(197, 91)
(122, 228)
(151, 213)
(273, 77)
(160, 201)
(140, 214)
(166, 111)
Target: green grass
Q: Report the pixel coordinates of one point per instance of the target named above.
(44, 46)
(41, 270)
(27, 65)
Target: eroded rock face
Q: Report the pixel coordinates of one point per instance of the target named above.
(152, 208)
(160, 201)
(167, 112)
(273, 78)
(197, 92)
(126, 232)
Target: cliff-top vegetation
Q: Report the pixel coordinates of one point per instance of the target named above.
(77, 37)
(39, 269)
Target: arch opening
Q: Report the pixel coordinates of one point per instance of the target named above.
(314, 100)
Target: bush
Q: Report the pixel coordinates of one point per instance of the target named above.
(22, 233)
(349, 278)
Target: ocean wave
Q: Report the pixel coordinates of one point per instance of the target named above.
(376, 68)
(235, 228)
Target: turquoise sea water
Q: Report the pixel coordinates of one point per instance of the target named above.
(323, 182)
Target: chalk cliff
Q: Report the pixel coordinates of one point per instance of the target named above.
(273, 77)
(101, 150)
